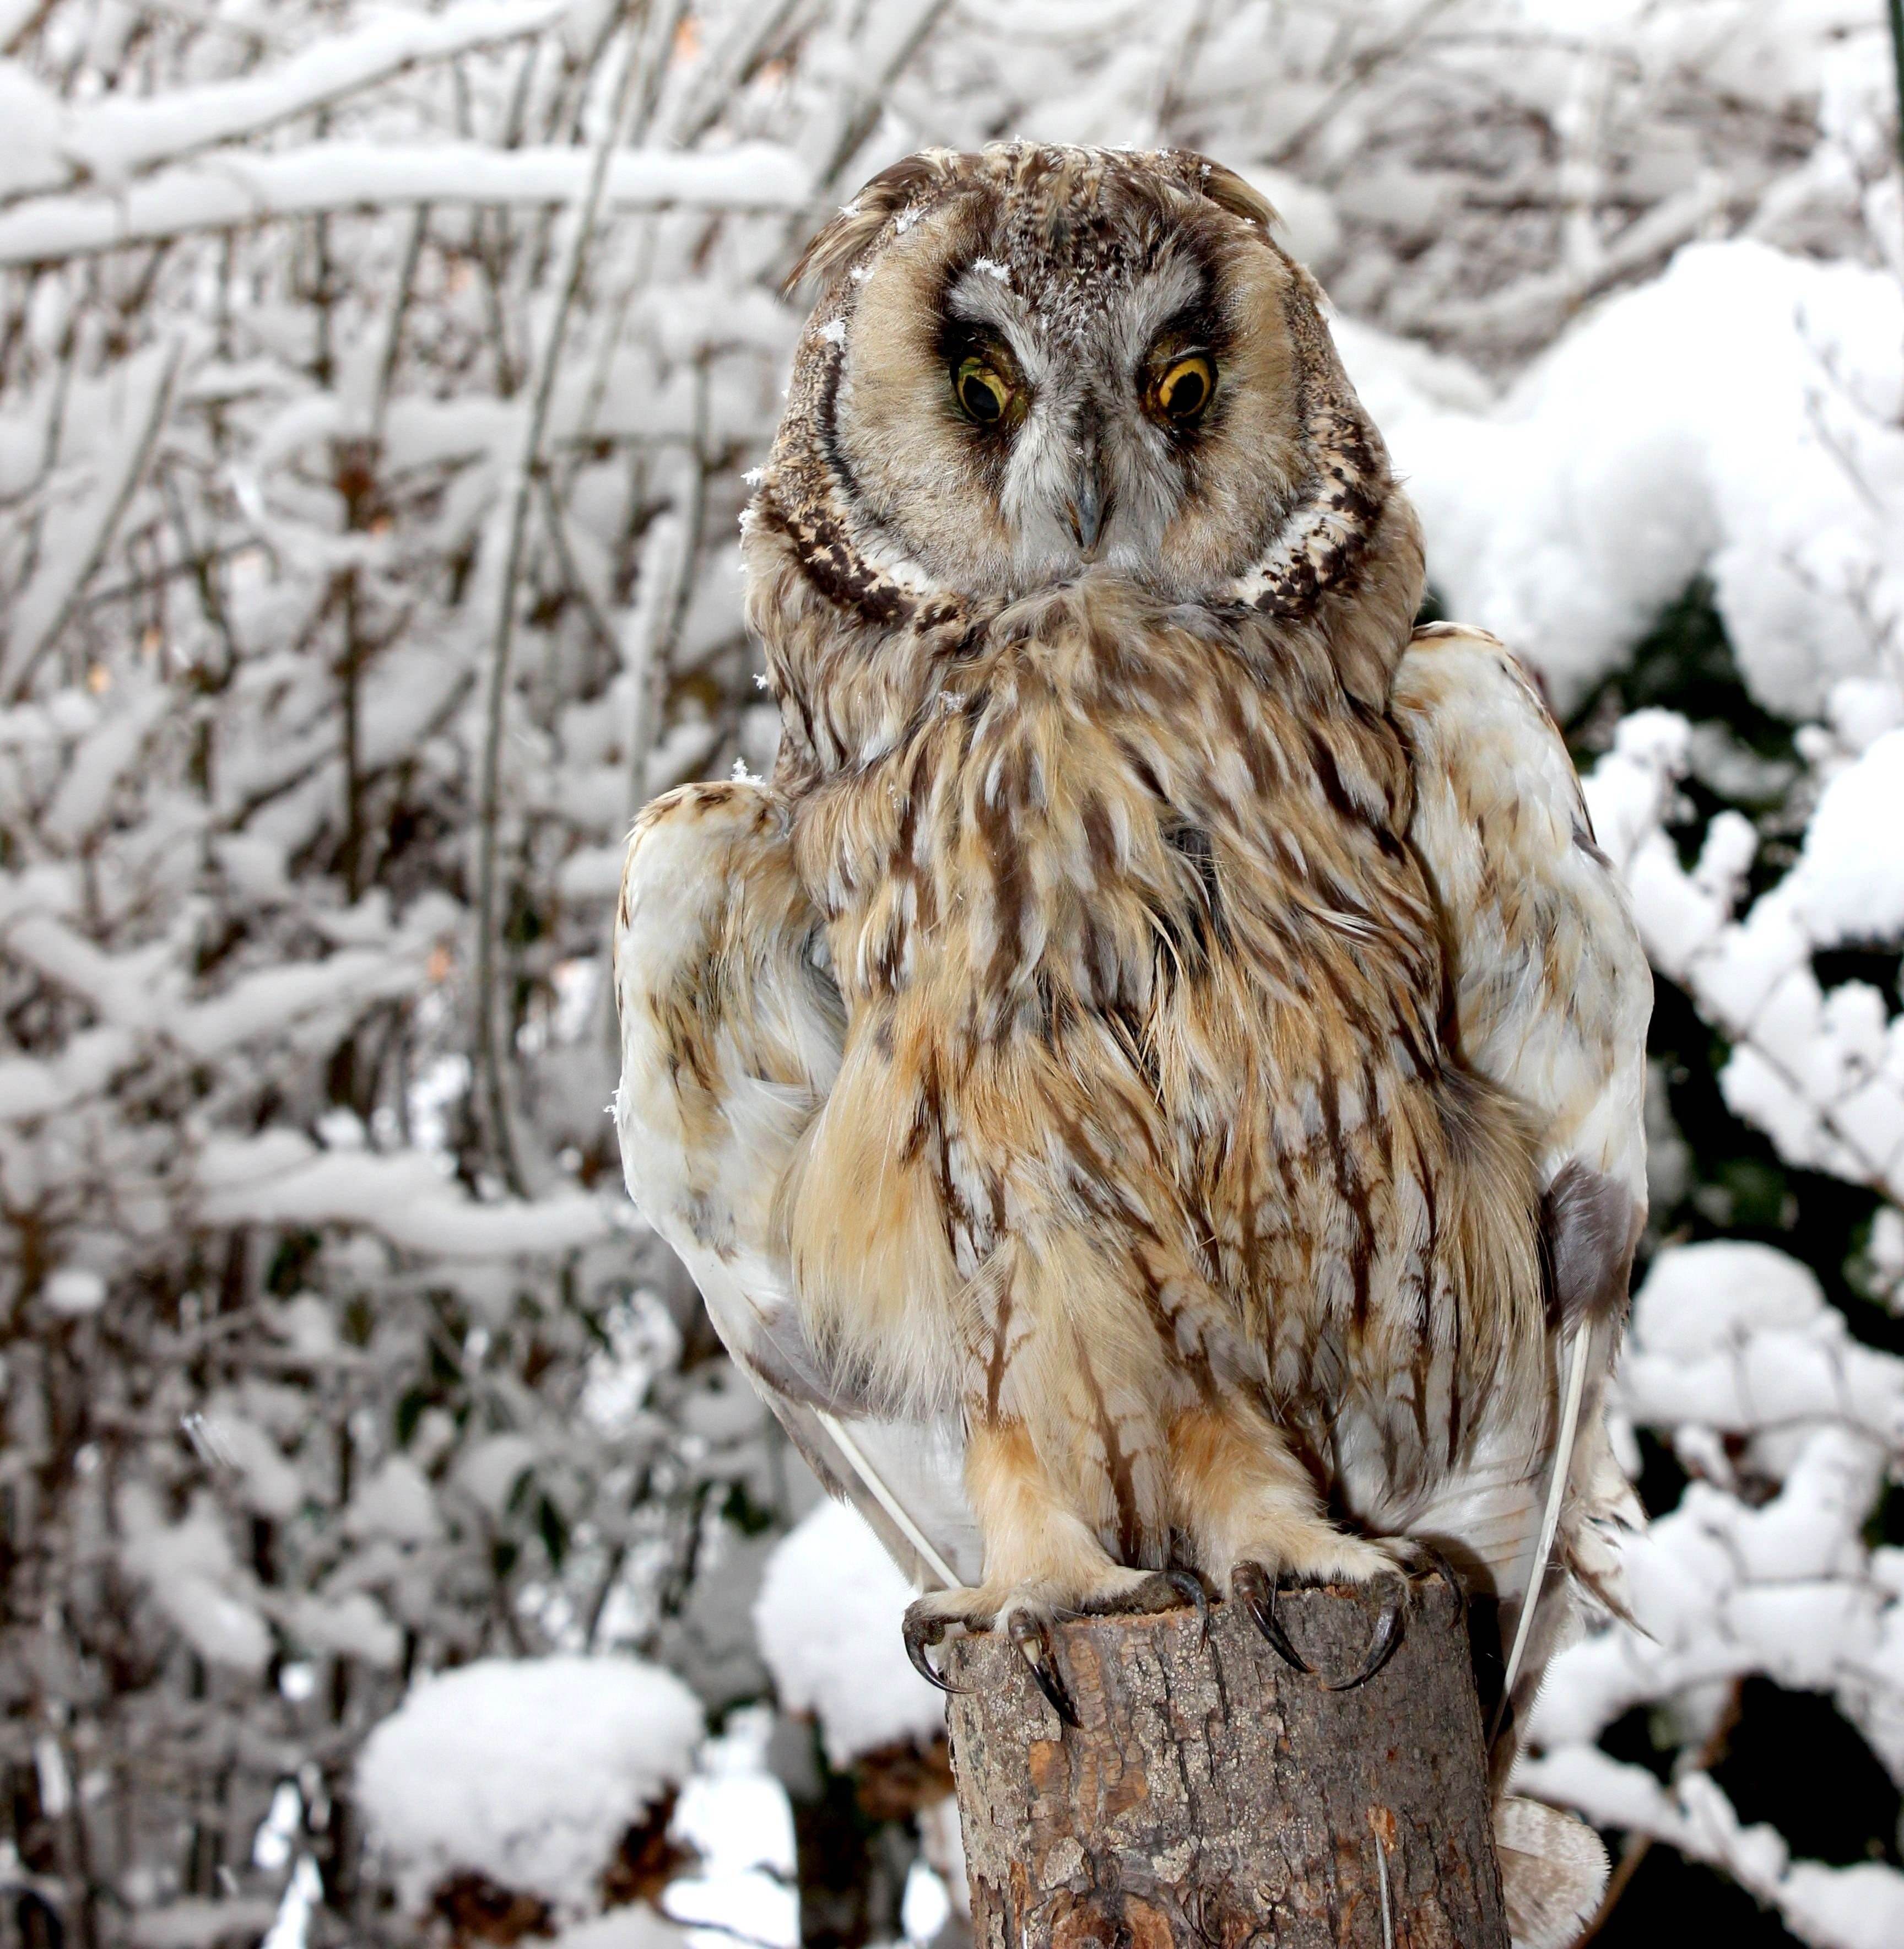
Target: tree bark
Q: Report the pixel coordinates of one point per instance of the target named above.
(1213, 1797)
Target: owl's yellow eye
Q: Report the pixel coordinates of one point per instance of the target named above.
(1185, 389)
(983, 394)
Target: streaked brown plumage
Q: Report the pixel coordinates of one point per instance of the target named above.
(1141, 1045)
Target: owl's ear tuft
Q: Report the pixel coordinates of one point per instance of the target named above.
(848, 235)
(1230, 191)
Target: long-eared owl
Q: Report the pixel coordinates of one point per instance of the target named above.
(1151, 1088)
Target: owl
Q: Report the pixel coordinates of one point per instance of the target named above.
(1151, 1088)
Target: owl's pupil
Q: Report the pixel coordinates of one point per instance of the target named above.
(981, 394)
(1184, 392)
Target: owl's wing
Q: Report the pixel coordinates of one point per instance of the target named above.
(731, 1029)
(1551, 996)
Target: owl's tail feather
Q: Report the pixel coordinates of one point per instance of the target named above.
(1573, 1368)
(1553, 1872)
(932, 1559)
(1590, 1223)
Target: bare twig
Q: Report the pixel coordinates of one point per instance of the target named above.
(491, 1018)
(43, 624)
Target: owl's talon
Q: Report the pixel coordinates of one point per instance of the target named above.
(1421, 1561)
(1447, 1573)
(1034, 1645)
(1382, 1640)
(920, 1631)
(1257, 1595)
(1190, 1586)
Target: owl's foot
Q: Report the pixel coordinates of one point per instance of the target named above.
(926, 1625)
(1402, 1564)
(1025, 1615)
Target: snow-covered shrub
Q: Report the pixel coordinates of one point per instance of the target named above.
(827, 1618)
(528, 1772)
(376, 388)
(1758, 826)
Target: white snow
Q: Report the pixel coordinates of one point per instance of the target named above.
(74, 1291)
(527, 1770)
(1698, 1298)
(1822, 1075)
(270, 1485)
(30, 160)
(114, 136)
(281, 1179)
(490, 1471)
(735, 1816)
(189, 1568)
(198, 1923)
(248, 184)
(1847, 885)
(1695, 424)
(354, 1626)
(634, 1925)
(396, 1501)
(827, 1618)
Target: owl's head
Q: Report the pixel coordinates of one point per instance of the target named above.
(1029, 360)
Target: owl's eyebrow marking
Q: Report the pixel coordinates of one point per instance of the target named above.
(1164, 298)
(975, 297)
(978, 314)
(1196, 326)
(961, 339)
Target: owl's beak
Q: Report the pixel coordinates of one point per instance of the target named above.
(1086, 507)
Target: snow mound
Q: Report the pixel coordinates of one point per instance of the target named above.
(527, 1771)
(828, 1619)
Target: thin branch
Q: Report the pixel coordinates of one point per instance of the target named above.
(864, 118)
(491, 1018)
(1896, 12)
(599, 626)
(42, 631)
(651, 657)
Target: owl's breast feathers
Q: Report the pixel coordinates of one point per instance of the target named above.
(1123, 907)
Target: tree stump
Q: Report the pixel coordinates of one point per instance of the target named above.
(1213, 1797)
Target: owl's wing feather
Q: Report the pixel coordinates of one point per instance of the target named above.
(1551, 996)
(731, 1034)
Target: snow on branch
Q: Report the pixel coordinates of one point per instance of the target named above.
(227, 192)
(525, 1772)
(1821, 1073)
(109, 140)
(282, 1180)
(1861, 1906)
(44, 605)
(828, 1617)
(1734, 1354)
